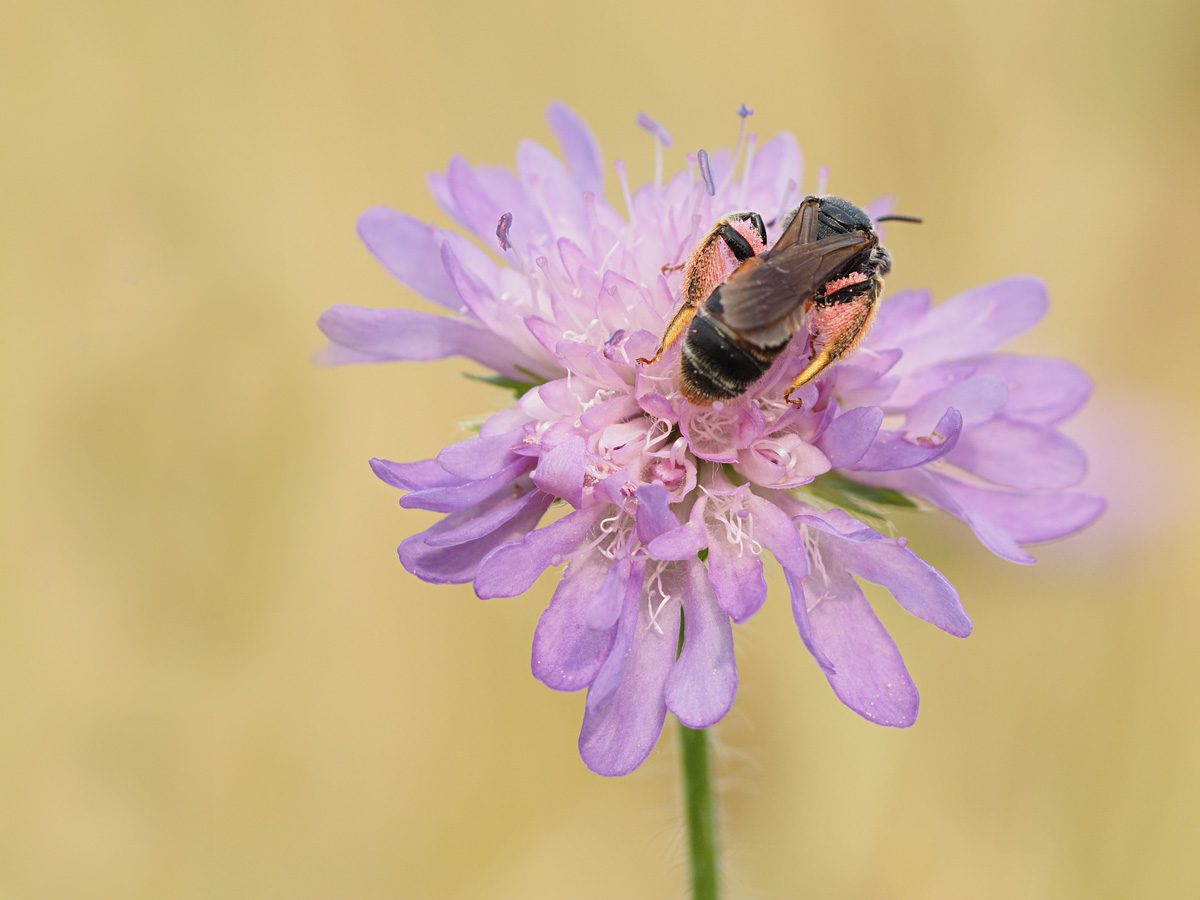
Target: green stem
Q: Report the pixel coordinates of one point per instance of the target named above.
(701, 812)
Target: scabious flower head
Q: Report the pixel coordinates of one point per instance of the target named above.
(670, 509)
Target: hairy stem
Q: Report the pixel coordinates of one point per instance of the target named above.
(701, 812)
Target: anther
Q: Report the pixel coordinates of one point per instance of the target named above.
(660, 134)
(661, 139)
(706, 173)
(502, 227)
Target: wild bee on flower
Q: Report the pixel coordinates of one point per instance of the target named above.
(826, 271)
(673, 501)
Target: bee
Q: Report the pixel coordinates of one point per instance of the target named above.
(826, 271)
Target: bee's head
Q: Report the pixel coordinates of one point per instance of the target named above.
(881, 260)
(838, 216)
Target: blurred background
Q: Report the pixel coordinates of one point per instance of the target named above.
(217, 681)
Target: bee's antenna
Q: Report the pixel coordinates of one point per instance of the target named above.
(892, 218)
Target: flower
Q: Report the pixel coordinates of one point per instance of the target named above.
(669, 507)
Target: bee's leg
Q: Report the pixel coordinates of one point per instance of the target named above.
(838, 328)
(675, 328)
(706, 270)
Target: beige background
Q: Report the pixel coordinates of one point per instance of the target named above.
(217, 681)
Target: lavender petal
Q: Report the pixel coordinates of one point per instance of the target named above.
(619, 734)
(973, 322)
(567, 653)
(654, 516)
(701, 685)
(415, 476)
(480, 457)
(612, 672)
(459, 496)
(513, 568)
(1026, 517)
(561, 471)
(917, 586)
(976, 398)
(869, 675)
(737, 577)
(458, 563)
(1021, 455)
(579, 146)
(386, 335)
(1040, 389)
(408, 249)
(895, 450)
(849, 436)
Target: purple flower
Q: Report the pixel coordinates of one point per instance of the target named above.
(664, 509)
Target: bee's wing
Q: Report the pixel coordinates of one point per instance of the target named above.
(802, 229)
(757, 300)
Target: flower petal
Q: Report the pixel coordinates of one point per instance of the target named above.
(849, 436)
(869, 676)
(896, 450)
(654, 516)
(479, 457)
(804, 625)
(547, 183)
(1022, 455)
(619, 734)
(561, 470)
(898, 317)
(408, 249)
(512, 569)
(776, 163)
(976, 398)
(701, 685)
(1040, 389)
(414, 476)
(685, 541)
(776, 531)
(477, 197)
(485, 518)
(567, 653)
(361, 335)
(934, 488)
(458, 563)
(916, 585)
(605, 607)
(629, 594)
(736, 574)
(1028, 518)
(579, 146)
(459, 496)
(973, 322)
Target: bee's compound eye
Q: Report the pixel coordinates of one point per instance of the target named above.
(839, 216)
(882, 260)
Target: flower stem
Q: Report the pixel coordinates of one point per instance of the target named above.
(701, 812)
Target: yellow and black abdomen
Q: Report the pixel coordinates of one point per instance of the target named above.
(716, 364)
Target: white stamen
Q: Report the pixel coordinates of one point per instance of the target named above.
(751, 143)
(655, 582)
(737, 153)
(727, 511)
(658, 432)
(813, 549)
(619, 165)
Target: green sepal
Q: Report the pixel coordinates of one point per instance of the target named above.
(837, 488)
